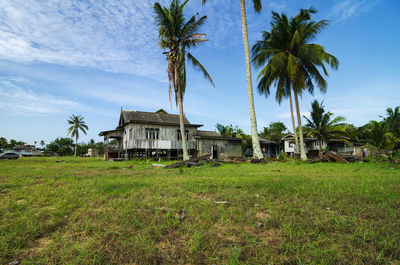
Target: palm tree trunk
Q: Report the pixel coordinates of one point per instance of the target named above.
(296, 139)
(303, 155)
(181, 121)
(76, 144)
(320, 145)
(253, 121)
(182, 128)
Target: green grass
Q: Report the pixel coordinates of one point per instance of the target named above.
(89, 211)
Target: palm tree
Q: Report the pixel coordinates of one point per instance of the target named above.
(392, 120)
(176, 36)
(91, 143)
(77, 123)
(377, 135)
(283, 84)
(42, 143)
(253, 121)
(321, 126)
(287, 56)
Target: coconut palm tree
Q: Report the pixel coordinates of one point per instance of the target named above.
(77, 123)
(321, 126)
(253, 120)
(392, 120)
(176, 36)
(283, 83)
(377, 135)
(286, 53)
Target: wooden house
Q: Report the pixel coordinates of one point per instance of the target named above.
(157, 134)
(344, 147)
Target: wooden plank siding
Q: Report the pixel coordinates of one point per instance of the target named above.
(167, 137)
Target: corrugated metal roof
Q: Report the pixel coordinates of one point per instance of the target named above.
(214, 135)
(152, 117)
(262, 140)
(208, 133)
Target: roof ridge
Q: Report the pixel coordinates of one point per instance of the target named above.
(138, 111)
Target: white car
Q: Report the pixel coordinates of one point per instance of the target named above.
(9, 155)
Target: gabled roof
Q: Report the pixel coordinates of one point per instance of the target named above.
(160, 117)
(265, 141)
(207, 134)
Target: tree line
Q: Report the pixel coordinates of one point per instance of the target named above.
(62, 145)
(381, 137)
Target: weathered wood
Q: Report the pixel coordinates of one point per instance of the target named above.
(328, 157)
(189, 162)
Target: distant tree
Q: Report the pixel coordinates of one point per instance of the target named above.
(83, 149)
(177, 36)
(113, 142)
(351, 131)
(392, 120)
(3, 143)
(229, 131)
(13, 143)
(320, 124)
(91, 143)
(377, 135)
(62, 146)
(42, 143)
(274, 132)
(77, 124)
(100, 147)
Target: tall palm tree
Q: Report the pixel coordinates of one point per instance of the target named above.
(321, 126)
(176, 36)
(283, 83)
(287, 54)
(253, 120)
(77, 123)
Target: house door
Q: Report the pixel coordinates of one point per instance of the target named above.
(214, 152)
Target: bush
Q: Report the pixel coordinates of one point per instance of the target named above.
(281, 157)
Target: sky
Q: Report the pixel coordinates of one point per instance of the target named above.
(90, 58)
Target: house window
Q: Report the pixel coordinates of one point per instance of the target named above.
(180, 137)
(130, 134)
(152, 133)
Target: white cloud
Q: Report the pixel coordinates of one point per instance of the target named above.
(346, 9)
(16, 100)
(116, 36)
(278, 6)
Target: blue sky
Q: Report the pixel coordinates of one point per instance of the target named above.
(59, 58)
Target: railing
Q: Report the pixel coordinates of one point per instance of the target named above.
(160, 144)
(346, 150)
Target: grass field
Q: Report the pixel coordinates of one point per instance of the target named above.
(88, 211)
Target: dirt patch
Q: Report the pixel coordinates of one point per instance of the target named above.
(263, 215)
(201, 196)
(267, 237)
(270, 237)
(38, 246)
(171, 250)
(223, 233)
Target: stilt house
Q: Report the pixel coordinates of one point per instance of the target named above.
(157, 134)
